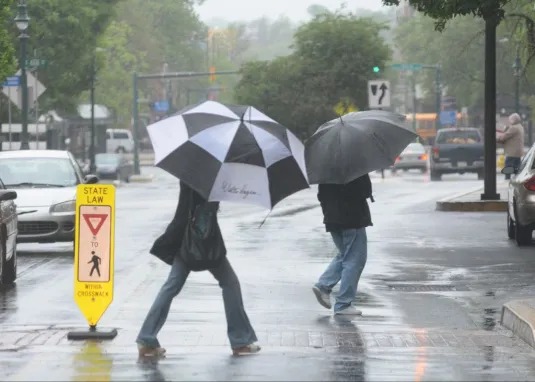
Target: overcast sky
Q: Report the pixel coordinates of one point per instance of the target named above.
(234, 10)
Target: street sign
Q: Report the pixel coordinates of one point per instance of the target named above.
(11, 81)
(161, 106)
(378, 94)
(448, 117)
(344, 106)
(94, 251)
(407, 67)
(34, 63)
(35, 89)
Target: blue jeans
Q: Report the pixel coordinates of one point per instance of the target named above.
(512, 162)
(239, 329)
(346, 267)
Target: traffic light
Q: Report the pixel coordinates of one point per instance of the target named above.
(376, 69)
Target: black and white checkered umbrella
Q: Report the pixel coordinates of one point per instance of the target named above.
(230, 153)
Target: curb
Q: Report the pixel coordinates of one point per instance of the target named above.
(141, 178)
(449, 204)
(519, 317)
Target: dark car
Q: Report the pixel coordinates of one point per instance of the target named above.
(457, 151)
(8, 236)
(114, 166)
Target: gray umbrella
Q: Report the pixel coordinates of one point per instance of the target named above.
(358, 143)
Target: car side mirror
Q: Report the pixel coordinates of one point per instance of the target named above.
(7, 195)
(509, 170)
(90, 179)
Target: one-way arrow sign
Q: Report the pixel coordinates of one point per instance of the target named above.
(378, 94)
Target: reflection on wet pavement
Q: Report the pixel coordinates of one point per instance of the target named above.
(431, 295)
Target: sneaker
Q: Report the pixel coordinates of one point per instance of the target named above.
(323, 298)
(351, 311)
(147, 351)
(246, 350)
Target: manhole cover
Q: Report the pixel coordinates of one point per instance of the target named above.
(422, 288)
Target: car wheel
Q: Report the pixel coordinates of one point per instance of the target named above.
(8, 269)
(523, 234)
(510, 226)
(120, 150)
(11, 269)
(435, 176)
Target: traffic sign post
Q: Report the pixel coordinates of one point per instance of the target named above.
(94, 256)
(378, 94)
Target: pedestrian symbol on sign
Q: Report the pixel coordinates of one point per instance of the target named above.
(96, 263)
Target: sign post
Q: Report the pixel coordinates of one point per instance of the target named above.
(94, 256)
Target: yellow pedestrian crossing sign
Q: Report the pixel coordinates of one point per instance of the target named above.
(94, 255)
(344, 106)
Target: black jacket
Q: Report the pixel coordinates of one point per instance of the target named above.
(167, 245)
(345, 206)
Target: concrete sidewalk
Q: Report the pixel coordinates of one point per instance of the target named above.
(519, 317)
(471, 201)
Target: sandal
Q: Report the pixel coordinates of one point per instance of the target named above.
(246, 350)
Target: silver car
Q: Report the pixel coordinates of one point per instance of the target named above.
(8, 236)
(413, 157)
(45, 182)
(521, 199)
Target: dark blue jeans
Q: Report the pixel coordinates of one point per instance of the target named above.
(512, 162)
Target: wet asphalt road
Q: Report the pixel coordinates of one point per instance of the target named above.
(431, 295)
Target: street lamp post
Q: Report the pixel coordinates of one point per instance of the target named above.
(22, 20)
(92, 164)
(517, 68)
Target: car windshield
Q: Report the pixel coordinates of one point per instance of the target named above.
(414, 148)
(106, 159)
(37, 172)
(458, 137)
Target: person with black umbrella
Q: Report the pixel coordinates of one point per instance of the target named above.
(346, 216)
(339, 156)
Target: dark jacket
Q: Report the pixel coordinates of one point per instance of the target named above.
(167, 245)
(345, 206)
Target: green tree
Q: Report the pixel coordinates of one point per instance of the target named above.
(114, 66)
(327, 66)
(7, 50)
(65, 33)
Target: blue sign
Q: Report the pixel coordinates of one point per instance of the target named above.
(12, 81)
(448, 117)
(161, 106)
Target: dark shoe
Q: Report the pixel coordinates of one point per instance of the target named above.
(151, 352)
(246, 350)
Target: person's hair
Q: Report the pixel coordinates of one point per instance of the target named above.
(515, 119)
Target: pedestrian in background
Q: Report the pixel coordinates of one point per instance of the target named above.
(512, 138)
(170, 249)
(346, 215)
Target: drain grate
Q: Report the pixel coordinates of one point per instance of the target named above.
(422, 288)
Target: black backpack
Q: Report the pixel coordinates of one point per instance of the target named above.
(202, 245)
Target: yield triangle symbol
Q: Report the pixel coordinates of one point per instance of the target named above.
(94, 222)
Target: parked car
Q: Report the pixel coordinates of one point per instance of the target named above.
(119, 141)
(457, 150)
(521, 199)
(413, 157)
(114, 166)
(45, 182)
(8, 236)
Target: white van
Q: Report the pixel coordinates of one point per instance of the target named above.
(119, 141)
